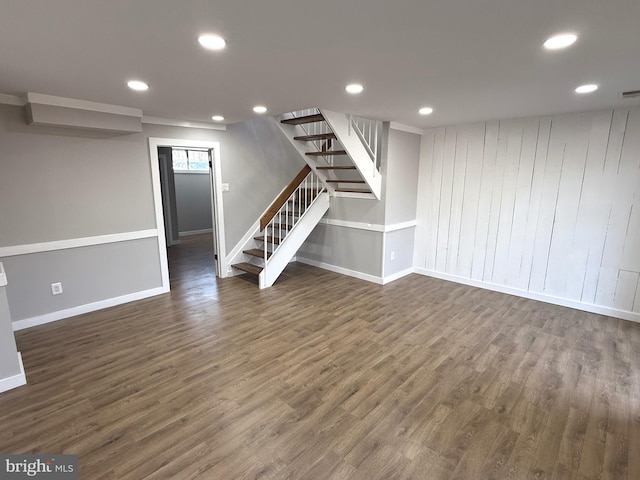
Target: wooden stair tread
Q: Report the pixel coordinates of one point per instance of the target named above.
(306, 119)
(328, 167)
(328, 152)
(352, 190)
(256, 252)
(248, 267)
(345, 181)
(275, 239)
(319, 136)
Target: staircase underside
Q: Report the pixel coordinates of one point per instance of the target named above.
(318, 144)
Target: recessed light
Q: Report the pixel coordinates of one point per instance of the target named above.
(217, 118)
(137, 85)
(354, 88)
(425, 111)
(591, 87)
(212, 41)
(260, 109)
(562, 40)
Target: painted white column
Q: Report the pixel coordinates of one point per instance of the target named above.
(11, 369)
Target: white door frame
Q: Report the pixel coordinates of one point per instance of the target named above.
(154, 143)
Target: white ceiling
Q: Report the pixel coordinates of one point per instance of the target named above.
(469, 59)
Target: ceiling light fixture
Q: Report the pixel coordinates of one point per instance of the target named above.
(217, 118)
(591, 87)
(354, 88)
(137, 85)
(260, 109)
(560, 41)
(425, 111)
(211, 41)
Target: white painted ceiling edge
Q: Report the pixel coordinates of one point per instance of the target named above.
(469, 60)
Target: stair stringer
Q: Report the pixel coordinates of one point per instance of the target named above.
(339, 123)
(294, 240)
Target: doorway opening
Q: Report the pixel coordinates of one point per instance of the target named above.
(188, 242)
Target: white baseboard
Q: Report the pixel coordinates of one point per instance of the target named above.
(343, 271)
(195, 232)
(563, 302)
(89, 307)
(397, 275)
(15, 381)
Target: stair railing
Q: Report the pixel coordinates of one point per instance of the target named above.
(370, 134)
(288, 209)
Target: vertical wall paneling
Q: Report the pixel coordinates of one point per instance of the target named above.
(547, 205)
(483, 211)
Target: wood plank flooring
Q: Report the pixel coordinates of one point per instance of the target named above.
(327, 377)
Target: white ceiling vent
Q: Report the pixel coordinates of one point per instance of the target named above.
(72, 113)
(631, 94)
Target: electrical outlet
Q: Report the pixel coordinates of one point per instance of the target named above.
(225, 187)
(56, 288)
(393, 255)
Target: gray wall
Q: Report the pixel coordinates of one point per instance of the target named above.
(62, 184)
(257, 162)
(57, 184)
(361, 249)
(348, 248)
(88, 274)
(168, 186)
(9, 365)
(401, 179)
(193, 201)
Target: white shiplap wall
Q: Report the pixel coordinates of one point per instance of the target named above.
(547, 206)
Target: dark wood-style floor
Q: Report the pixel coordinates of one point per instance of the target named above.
(327, 377)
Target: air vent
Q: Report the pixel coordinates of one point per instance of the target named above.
(631, 94)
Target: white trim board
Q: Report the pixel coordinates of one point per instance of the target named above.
(53, 245)
(372, 227)
(405, 128)
(154, 143)
(87, 308)
(12, 100)
(65, 102)
(398, 275)
(181, 123)
(343, 271)
(563, 302)
(15, 381)
(195, 232)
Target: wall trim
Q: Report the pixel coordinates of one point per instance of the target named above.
(195, 232)
(77, 104)
(395, 276)
(15, 381)
(181, 123)
(405, 128)
(53, 245)
(563, 302)
(87, 308)
(343, 271)
(12, 100)
(372, 227)
(394, 227)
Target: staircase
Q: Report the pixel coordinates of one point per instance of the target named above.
(284, 227)
(342, 150)
(342, 153)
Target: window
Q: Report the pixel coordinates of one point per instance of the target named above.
(188, 160)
